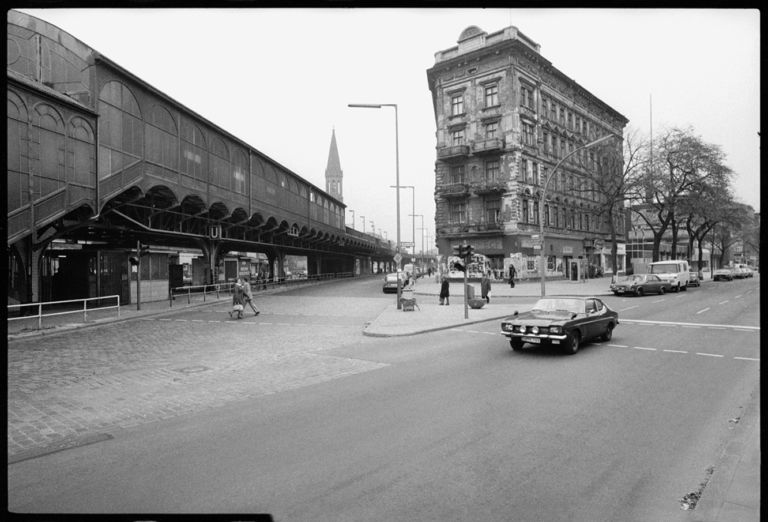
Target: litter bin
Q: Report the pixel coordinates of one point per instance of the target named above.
(470, 292)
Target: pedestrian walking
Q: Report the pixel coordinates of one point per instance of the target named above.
(238, 299)
(512, 275)
(248, 294)
(444, 291)
(485, 287)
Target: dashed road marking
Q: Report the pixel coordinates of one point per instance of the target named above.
(723, 302)
(737, 297)
(702, 310)
(747, 359)
(675, 351)
(709, 354)
(644, 348)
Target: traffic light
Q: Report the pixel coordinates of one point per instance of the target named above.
(133, 260)
(143, 249)
(470, 251)
(458, 250)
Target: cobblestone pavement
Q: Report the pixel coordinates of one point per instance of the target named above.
(66, 389)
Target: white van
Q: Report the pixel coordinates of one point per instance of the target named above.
(674, 270)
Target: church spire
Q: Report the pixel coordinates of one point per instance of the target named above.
(333, 172)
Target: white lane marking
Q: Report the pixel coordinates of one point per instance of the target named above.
(675, 351)
(723, 302)
(737, 297)
(689, 326)
(746, 359)
(643, 348)
(702, 310)
(658, 300)
(643, 321)
(161, 319)
(708, 354)
(619, 345)
(628, 308)
(198, 321)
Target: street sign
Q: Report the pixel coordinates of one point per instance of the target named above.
(398, 258)
(406, 244)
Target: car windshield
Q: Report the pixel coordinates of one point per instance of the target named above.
(664, 268)
(391, 277)
(559, 305)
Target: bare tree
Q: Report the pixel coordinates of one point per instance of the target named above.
(616, 180)
(682, 162)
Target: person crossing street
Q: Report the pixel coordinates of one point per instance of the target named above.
(249, 295)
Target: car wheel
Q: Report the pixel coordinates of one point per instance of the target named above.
(572, 343)
(516, 344)
(676, 289)
(608, 333)
(616, 294)
(662, 290)
(639, 292)
(684, 288)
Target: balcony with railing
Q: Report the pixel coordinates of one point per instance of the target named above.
(453, 153)
(486, 226)
(453, 190)
(488, 146)
(489, 187)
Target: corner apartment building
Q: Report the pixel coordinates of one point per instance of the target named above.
(505, 116)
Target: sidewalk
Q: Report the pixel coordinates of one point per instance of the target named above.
(430, 316)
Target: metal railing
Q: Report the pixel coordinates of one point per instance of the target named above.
(195, 291)
(84, 310)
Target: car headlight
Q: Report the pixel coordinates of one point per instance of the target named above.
(534, 330)
(521, 329)
(555, 329)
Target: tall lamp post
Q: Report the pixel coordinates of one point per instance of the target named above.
(422, 235)
(413, 209)
(397, 178)
(542, 255)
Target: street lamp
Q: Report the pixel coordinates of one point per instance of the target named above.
(397, 177)
(422, 234)
(413, 209)
(542, 199)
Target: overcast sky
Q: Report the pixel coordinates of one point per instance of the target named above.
(281, 79)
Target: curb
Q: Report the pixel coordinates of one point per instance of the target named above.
(715, 493)
(427, 330)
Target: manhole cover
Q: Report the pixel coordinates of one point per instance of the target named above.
(193, 369)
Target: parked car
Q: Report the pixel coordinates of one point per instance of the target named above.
(390, 282)
(723, 274)
(675, 271)
(561, 321)
(742, 272)
(748, 271)
(640, 284)
(694, 279)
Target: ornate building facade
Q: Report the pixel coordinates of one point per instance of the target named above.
(505, 117)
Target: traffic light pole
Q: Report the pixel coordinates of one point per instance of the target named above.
(138, 275)
(466, 296)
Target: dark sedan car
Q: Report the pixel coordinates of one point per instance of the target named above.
(640, 284)
(562, 321)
